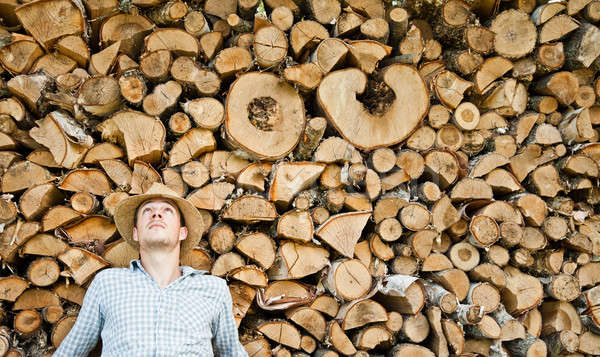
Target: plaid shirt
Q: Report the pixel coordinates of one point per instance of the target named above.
(192, 316)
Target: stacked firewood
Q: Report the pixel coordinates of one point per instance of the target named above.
(410, 178)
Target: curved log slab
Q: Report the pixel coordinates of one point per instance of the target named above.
(375, 122)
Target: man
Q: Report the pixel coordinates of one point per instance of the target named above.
(155, 307)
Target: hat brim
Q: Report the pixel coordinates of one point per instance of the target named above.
(197, 221)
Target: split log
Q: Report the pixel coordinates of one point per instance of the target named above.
(386, 111)
(291, 178)
(124, 128)
(342, 231)
(296, 260)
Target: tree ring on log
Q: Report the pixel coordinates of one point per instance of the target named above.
(364, 127)
(264, 116)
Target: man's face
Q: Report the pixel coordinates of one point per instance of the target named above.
(158, 225)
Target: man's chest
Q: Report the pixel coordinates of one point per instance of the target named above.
(164, 319)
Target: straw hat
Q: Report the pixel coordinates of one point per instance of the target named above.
(196, 221)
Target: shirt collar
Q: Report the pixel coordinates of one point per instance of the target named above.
(136, 264)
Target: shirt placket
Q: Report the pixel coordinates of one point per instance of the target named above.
(161, 310)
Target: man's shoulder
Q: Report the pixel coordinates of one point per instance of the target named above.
(203, 278)
(111, 275)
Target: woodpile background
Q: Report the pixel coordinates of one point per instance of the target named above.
(408, 178)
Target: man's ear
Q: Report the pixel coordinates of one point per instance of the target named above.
(134, 234)
(183, 232)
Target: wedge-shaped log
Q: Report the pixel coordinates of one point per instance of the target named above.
(14, 236)
(130, 29)
(361, 312)
(258, 247)
(508, 97)
(118, 171)
(101, 62)
(295, 260)
(35, 298)
(486, 163)
(75, 47)
(469, 188)
(254, 176)
(99, 95)
(327, 304)
(562, 85)
(373, 336)
(142, 136)
(337, 96)
(330, 54)
(339, 339)
(12, 287)
(336, 149)
(163, 98)
(61, 329)
(281, 332)
(93, 181)
(63, 136)
(23, 175)
(492, 69)
(120, 253)
(82, 264)
(226, 263)
(242, 296)
(290, 178)
(523, 292)
(366, 54)
(70, 292)
(92, 228)
(306, 76)
(28, 88)
(197, 80)
(61, 17)
(103, 151)
(410, 350)
(309, 319)
(296, 225)
(250, 209)
(18, 56)
(343, 230)
(224, 163)
(249, 274)
(44, 245)
(191, 145)
(175, 40)
(450, 88)
(439, 342)
(401, 293)
(211, 196)
(37, 199)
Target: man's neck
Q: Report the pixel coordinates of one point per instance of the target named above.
(162, 267)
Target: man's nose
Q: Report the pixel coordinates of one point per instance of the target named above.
(156, 214)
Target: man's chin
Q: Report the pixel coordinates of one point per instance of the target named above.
(158, 244)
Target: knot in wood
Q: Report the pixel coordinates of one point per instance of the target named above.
(264, 113)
